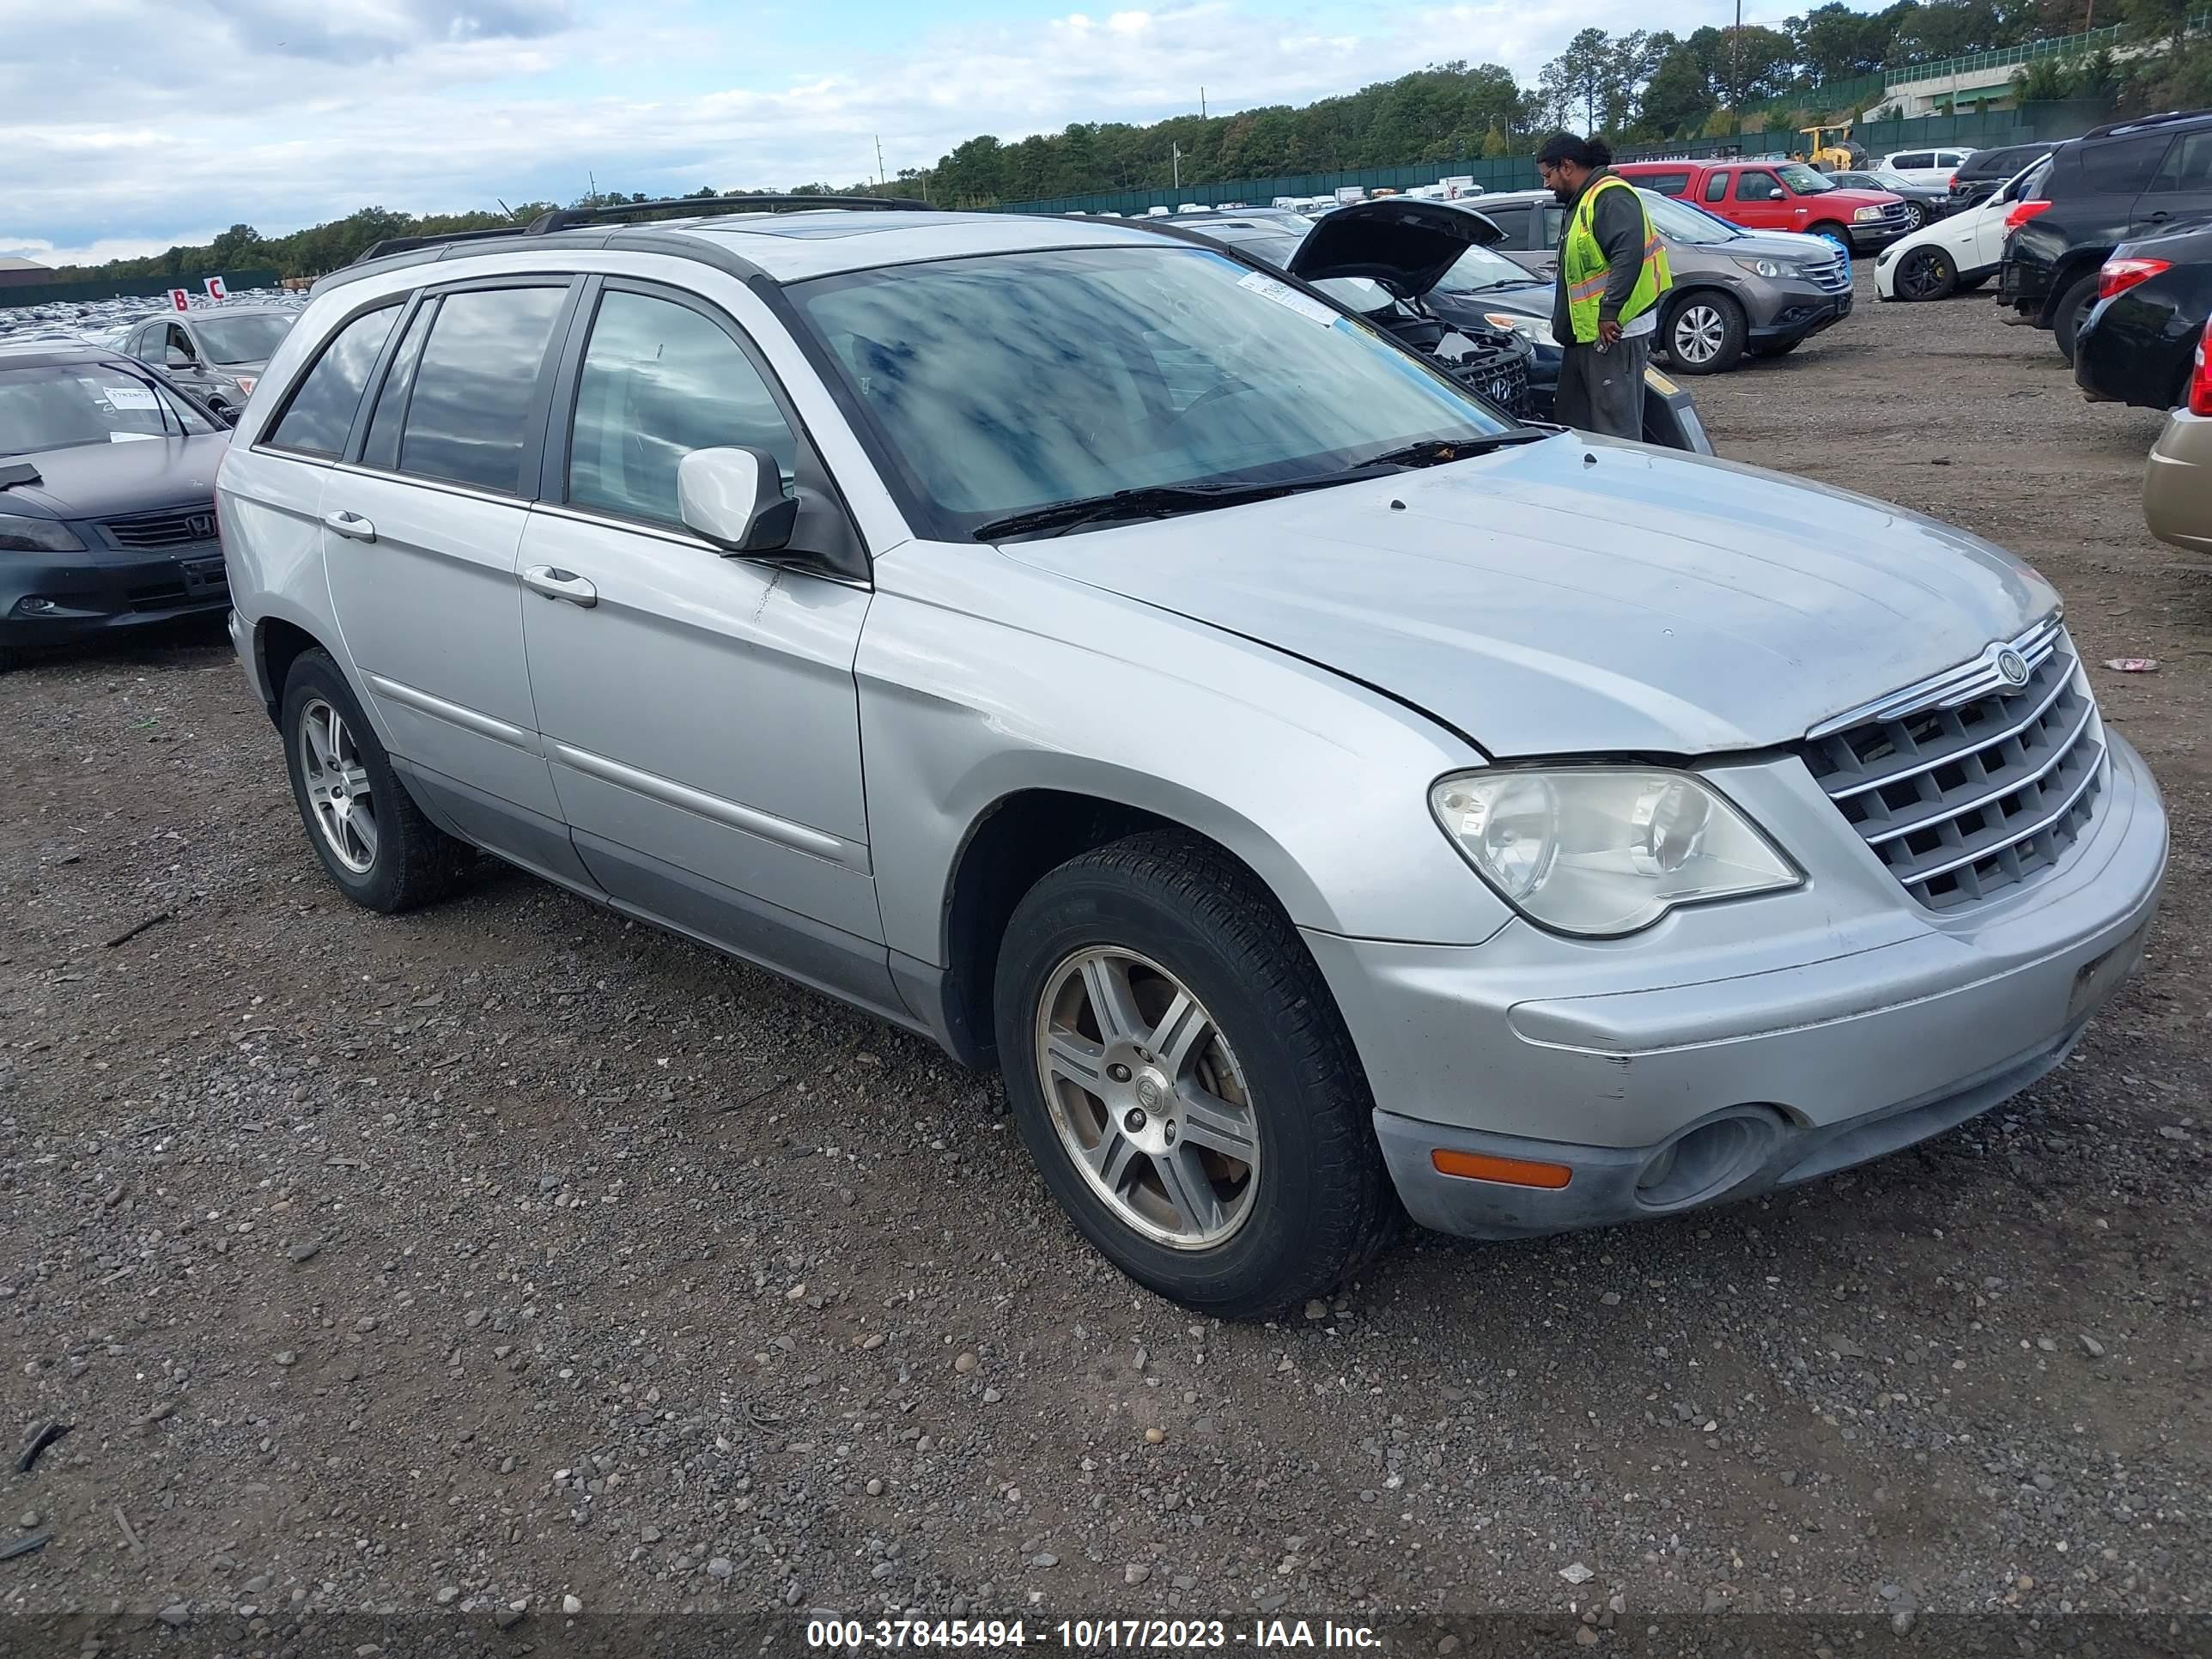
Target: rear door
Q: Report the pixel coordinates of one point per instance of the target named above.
(425, 516)
(2181, 191)
(698, 707)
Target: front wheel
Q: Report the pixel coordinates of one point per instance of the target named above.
(1915, 215)
(1836, 234)
(372, 838)
(1178, 1070)
(1925, 273)
(1706, 333)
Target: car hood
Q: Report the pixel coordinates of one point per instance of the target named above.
(1774, 245)
(97, 481)
(1406, 244)
(1578, 596)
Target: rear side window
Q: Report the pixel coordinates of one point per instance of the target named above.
(382, 449)
(322, 409)
(1716, 187)
(468, 412)
(1913, 158)
(2124, 167)
(1513, 221)
(660, 380)
(2188, 164)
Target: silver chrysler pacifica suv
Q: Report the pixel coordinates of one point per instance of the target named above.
(1322, 797)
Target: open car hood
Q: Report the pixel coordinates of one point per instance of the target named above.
(1406, 244)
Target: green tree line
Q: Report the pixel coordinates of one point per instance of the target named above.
(1637, 86)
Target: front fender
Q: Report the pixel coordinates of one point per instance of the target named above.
(980, 678)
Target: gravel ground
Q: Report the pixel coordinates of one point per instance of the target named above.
(513, 1261)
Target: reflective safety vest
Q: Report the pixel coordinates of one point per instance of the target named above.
(1583, 266)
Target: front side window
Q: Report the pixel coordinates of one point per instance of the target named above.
(1757, 187)
(67, 405)
(468, 414)
(322, 411)
(1008, 382)
(660, 380)
(179, 348)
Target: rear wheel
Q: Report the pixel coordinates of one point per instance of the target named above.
(2074, 308)
(1178, 1070)
(1704, 333)
(372, 838)
(1925, 273)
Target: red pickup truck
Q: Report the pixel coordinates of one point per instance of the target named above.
(1771, 196)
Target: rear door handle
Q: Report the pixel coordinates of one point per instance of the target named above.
(557, 584)
(351, 526)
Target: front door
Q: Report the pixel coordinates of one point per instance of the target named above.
(424, 523)
(698, 708)
(1761, 203)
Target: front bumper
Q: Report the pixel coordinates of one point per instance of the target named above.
(1797, 311)
(2178, 483)
(1867, 239)
(1724, 1057)
(58, 597)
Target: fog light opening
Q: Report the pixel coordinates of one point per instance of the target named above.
(1705, 1160)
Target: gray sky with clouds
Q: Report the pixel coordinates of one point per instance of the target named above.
(128, 125)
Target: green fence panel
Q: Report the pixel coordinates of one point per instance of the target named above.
(125, 288)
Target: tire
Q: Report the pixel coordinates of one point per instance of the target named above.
(374, 841)
(1704, 333)
(1926, 273)
(1134, 925)
(1835, 232)
(1915, 215)
(2074, 307)
(1781, 351)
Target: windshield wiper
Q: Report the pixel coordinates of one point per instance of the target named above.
(1435, 451)
(1154, 501)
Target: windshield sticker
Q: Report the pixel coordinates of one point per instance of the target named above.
(1284, 295)
(128, 396)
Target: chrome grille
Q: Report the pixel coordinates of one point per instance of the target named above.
(1833, 274)
(174, 528)
(1963, 785)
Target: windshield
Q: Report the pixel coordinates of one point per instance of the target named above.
(1882, 179)
(1803, 179)
(248, 339)
(66, 405)
(1013, 381)
(1478, 268)
(1679, 222)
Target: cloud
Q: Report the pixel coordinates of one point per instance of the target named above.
(281, 114)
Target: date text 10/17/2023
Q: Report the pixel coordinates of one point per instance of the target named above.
(1167, 1635)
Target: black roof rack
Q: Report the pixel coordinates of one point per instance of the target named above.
(570, 218)
(2142, 122)
(409, 244)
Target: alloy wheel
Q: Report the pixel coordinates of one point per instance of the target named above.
(1922, 276)
(1148, 1097)
(1915, 214)
(337, 786)
(1697, 335)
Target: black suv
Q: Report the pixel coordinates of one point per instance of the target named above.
(2114, 184)
(106, 496)
(1982, 174)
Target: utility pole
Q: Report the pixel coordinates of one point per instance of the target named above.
(1201, 103)
(879, 159)
(1735, 57)
(1175, 158)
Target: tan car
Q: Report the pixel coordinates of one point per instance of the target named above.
(2178, 483)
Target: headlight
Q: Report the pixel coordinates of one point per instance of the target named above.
(19, 535)
(1865, 215)
(1767, 268)
(1604, 850)
(1527, 327)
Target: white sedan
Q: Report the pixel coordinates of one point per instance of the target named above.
(1954, 254)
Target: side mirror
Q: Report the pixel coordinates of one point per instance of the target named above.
(735, 499)
(177, 358)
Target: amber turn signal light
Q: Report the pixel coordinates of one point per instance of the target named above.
(1513, 1171)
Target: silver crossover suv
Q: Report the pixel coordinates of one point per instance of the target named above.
(1321, 797)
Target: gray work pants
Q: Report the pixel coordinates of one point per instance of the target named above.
(1602, 392)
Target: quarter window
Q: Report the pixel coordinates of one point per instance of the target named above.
(469, 411)
(1667, 184)
(660, 380)
(1716, 187)
(322, 409)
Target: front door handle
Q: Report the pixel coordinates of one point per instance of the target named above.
(2161, 216)
(557, 584)
(351, 526)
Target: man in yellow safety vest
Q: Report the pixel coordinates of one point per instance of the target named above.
(1612, 268)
